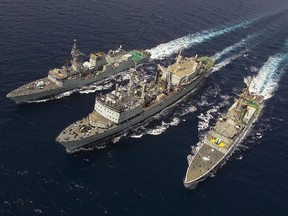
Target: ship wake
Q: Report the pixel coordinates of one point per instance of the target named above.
(230, 53)
(174, 120)
(244, 44)
(268, 77)
(212, 113)
(189, 106)
(186, 42)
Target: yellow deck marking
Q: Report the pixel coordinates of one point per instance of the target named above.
(222, 144)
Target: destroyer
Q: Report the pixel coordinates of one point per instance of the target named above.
(79, 73)
(127, 106)
(221, 141)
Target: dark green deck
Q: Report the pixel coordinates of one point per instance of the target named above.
(207, 61)
(136, 56)
(251, 103)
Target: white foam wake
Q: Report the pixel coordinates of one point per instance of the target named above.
(103, 84)
(137, 136)
(172, 47)
(95, 87)
(242, 44)
(182, 110)
(239, 49)
(213, 105)
(204, 119)
(227, 61)
(189, 107)
(119, 137)
(164, 126)
(266, 81)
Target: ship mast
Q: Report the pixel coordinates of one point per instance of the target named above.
(143, 93)
(179, 58)
(240, 109)
(157, 74)
(168, 77)
(132, 80)
(77, 62)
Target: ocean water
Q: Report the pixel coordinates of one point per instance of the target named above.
(142, 172)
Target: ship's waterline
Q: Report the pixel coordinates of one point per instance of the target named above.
(224, 138)
(128, 106)
(79, 73)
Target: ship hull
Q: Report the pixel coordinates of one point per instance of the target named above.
(192, 184)
(71, 84)
(98, 139)
(19, 99)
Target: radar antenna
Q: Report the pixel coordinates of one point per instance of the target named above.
(180, 57)
(77, 62)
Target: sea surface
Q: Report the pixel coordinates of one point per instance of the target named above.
(142, 172)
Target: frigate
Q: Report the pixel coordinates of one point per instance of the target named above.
(79, 73)
(129, 105)
(220, 142)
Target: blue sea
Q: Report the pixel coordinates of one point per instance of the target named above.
(141, 172)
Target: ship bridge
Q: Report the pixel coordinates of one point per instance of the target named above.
(184, 69)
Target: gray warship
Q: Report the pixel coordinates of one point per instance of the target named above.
(79, 73)
(131, 104)
(229, 130)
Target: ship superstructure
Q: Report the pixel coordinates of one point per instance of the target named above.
(220, 142)
(129, 105)
(79, 73)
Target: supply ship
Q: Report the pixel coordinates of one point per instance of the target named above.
(131, 104)
(79, 73)
(229, 130)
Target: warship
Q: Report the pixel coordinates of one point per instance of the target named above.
(79, 73)
(131, 104)
(219, 143)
